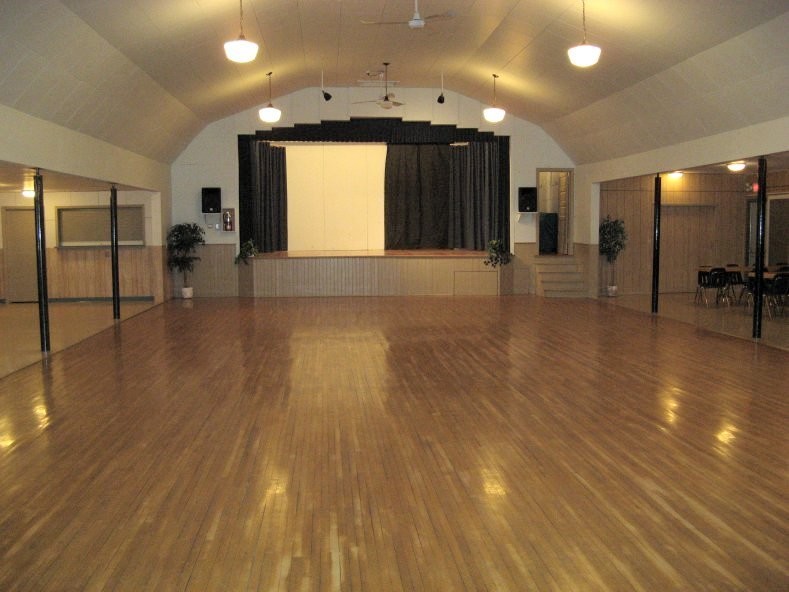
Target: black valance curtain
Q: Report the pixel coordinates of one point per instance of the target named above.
(263, 202)
(416, 196)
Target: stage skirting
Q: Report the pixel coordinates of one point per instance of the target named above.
(372, 273)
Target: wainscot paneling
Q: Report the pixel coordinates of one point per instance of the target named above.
(370, 276)
(78, 273)
(215, 275)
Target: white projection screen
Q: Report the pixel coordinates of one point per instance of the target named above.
(335, 197)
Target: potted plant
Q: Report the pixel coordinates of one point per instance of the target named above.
(613, 239)
(247, 249)
(182, 242)
(498, 254)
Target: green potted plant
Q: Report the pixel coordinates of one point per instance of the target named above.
(182, 242)
(498, 254)
(247, 250)
(613, 239)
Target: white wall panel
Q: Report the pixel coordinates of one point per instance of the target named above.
(335, 197)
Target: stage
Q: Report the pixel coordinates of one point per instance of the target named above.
(372, 273)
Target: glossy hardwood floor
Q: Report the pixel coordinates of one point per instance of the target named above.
(735, 319)
(397, 444)
(70, 323)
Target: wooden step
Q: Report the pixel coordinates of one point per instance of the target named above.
(558, 277)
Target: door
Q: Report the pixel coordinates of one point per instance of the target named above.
(19, 238)
(554, 196)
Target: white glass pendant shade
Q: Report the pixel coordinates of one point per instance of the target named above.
(493, 114)
(240, 50)
(270, 114)
(736, 167)
(584, 55)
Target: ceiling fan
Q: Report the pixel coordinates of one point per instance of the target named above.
(416, 22)
(387, 100)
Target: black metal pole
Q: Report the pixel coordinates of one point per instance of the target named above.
(116, 291)
(41, 261)
(656, 247)
(761, 212)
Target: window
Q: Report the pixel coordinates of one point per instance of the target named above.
(90, 226)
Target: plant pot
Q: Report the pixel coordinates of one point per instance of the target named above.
(611, 291)
(187, 293)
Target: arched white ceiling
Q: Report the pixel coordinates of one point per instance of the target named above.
(148, 75)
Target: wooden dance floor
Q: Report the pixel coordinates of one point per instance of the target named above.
(434, 444)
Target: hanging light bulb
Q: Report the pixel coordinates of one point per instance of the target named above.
(584, 55)
(269, 113)
(494, 114)
(240, 50)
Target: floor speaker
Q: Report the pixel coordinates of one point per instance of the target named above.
(549, 234)
(212, 200)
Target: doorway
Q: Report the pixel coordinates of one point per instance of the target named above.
(776, 244)
(19, 238)
(554, 200)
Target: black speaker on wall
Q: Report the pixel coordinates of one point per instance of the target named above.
(527, 199)
(212, 200)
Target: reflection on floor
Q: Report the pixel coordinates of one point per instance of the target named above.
(736, 320)
(70, 323)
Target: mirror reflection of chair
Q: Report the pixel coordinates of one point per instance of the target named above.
(735, 282)
(776, 293)
(714, 280)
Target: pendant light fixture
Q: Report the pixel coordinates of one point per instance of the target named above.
(440, 100)
(494, 114)
(584, 55)
(269, 113)
(240, 50)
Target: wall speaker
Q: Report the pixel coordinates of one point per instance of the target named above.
(527, 199)
(212, 200)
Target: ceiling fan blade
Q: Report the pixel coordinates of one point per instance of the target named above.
(362, 102)
(440, 17)
(384, 22)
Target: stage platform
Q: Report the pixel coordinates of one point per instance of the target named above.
(372, 273)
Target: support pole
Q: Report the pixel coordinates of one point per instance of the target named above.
(116, 293)
(41, 262)
(656, 246)
(761, 212)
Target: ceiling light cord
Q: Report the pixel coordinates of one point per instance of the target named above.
(583, 18)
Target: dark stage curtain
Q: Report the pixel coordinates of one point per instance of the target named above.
(416, 194)
(478, 208)
(263, 202)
